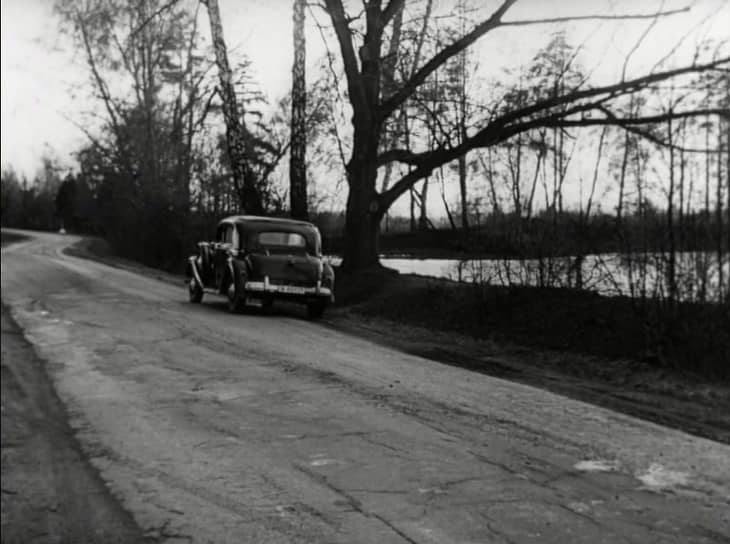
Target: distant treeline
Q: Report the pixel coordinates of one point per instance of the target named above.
(157, 234)
(148, 228)
(506, 236)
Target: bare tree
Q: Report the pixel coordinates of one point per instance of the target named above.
(298, 148)
(236, 136)
(146, 73)
(363, 64)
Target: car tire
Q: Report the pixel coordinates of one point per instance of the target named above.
(236, 300)
(315, 310)
(195, 291)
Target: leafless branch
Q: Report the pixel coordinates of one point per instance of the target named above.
(638, 43)
(152, 16)
(426, 162)
(494, 21)
(596, 17)
(347, 49)
(612, 91)
(391, 9)
(93, 139)
(330, 62)
(407, 89)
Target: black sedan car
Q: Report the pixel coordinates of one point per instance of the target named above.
(257, 260)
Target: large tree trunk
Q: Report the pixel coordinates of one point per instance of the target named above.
(248, 194)
(297, 154)
(362, 218)
(423, 218)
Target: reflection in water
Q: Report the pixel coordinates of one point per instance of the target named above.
(637, 275)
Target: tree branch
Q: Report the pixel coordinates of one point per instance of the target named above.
(641, 120)
(596, 17)
(349, 58)
(492, 134)
(617, 89)
(154, 14)
(632, 124)
(409, 87)
(494, 21)
(391, 9)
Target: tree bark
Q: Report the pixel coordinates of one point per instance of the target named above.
(298, 148)
(423, 218)
(362, 216)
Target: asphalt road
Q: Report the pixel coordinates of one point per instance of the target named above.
(210, 427)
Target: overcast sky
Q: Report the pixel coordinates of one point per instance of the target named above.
(39, 69)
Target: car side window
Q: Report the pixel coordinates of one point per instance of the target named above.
(229, 234)
(242, 237)
(234, 238)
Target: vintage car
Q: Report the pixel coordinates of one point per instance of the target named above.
(256, 260)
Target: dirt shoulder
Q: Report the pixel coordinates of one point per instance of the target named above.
(50, 492)
(676, 400)
(575, 344)
(521, 339)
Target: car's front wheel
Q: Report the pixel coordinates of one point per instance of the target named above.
(195, 292)
(236, 300)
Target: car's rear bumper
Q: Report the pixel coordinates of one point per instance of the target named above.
(265, 288)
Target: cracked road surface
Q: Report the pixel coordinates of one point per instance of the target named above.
(209, 427)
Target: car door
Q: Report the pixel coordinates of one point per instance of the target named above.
(222, 248)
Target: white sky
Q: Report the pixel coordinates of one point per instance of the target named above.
(39, 69)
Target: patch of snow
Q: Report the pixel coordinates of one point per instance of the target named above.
(322, 462)
(431, 490)
(579, 507)
(596, 465)
(658, 477)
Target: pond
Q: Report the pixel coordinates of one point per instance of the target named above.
(612, 274)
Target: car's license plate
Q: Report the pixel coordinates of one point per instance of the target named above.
(292, 289)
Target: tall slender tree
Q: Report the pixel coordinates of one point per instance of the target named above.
(462, 119)
(250, 199)
(298, 149)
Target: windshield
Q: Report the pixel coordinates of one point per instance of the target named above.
(292, 240)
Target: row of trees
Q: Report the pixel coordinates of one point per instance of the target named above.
(31, 203)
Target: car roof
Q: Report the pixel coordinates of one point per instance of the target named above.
(262, 219)
(259, 219)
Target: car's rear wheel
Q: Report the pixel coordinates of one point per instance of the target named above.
(315, 310)
(236, 300)
(195, 291)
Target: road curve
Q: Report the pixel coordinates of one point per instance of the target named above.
(210, 427)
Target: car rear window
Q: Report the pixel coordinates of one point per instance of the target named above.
(282, 239)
